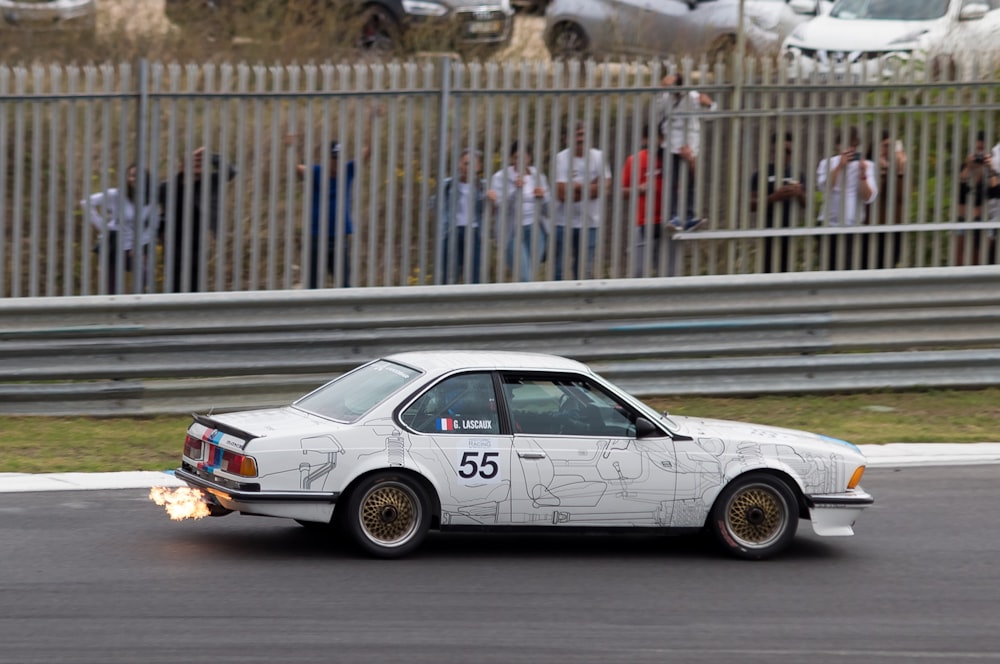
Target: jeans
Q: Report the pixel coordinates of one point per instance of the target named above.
(454, 263)
(575, 251)
(522, 242)
(657, 248)
(679, 166)
(331, 262)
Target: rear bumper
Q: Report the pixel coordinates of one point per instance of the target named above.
(54, 16)
(834, 515)
(302, 505)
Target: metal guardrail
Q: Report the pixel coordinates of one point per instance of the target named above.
(688, 335)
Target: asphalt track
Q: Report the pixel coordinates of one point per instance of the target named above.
(104, 576)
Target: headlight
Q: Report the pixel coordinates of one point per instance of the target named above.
(424, 8)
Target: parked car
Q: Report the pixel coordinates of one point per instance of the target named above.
(457, 440)
(34, 15)
(387, 26)
(598, 28)
(875, 38)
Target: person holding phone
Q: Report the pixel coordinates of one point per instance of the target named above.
(848, 183)
(978, 182)
(783, 194)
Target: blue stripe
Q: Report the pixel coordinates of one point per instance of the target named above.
(838, 441)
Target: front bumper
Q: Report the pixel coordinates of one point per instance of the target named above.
(48, 16)
(302, 505)
(833, 515)
(836, 67)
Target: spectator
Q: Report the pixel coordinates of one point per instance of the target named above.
(581, 177)
(522, 193)
(891, 163)
(681, 128)
(460, 217)
(327, 238)
(646, 180)
(125, 223)
(182, 242)
(782, 191)
(848, 183)
(978, 182)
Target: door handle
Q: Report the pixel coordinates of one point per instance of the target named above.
(531, 455)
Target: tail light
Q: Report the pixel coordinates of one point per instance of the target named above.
(192, 448)
(238, 464)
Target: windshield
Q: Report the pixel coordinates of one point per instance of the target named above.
(352, 395)
(890, 10)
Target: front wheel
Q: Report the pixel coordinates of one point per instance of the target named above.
(388, 515)
(755, 517)
(568, 41)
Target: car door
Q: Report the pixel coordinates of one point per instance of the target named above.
(647, 27)
(576, 459)
(459, 437)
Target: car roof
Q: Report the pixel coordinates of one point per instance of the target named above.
(440, 361)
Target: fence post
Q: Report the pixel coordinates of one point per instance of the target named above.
(142, 272)
(442, 167)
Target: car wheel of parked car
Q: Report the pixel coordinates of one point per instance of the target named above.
(388, 515)
(380, 33)
(755, 516)
(567, 40)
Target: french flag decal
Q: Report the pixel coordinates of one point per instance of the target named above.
(446, 424)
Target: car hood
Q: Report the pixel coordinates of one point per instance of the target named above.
(743, 432)
(835, 34)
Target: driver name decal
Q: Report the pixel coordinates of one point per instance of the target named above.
(458, 424)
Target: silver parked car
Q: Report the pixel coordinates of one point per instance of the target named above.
(35, 15)
(657, 28)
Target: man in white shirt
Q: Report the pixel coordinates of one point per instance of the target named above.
(848, 183)
(681, 128)
(582, 178)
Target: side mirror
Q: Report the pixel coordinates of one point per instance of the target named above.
(646, 429)
(973, 12)
(804, 7)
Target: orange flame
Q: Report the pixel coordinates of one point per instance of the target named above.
(181, 503)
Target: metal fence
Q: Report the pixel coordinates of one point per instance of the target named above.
(68, 132)
(724, 335)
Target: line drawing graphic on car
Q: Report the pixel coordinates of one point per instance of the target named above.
(452, 440)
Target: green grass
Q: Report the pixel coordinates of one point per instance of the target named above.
(89, 444)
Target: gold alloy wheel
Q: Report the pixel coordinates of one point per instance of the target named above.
(756, 515)
(390, 514)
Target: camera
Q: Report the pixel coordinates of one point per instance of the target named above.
(855, 157)
(980, 158)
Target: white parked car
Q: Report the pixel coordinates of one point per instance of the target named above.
(452, 440)
(35, 15)
(598, 28)
(864, 39)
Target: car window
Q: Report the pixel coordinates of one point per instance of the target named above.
(565, 406)
(352, 395)
(890, 10)
(463, 404)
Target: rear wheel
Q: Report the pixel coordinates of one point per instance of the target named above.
(755, 517)
(379, 32)
(567, 40)
(388, 515)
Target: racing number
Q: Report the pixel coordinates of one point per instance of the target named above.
(471, 465)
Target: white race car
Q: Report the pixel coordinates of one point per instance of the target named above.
(452, 440)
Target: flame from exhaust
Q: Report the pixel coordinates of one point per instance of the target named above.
(181, 503)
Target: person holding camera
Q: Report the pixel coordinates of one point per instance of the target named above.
(848, 183)
(978, 182)
(183, 230)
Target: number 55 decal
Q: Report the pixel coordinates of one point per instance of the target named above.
(477, 465)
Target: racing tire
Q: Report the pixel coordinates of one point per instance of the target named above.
(388, 515)
(755, 517)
